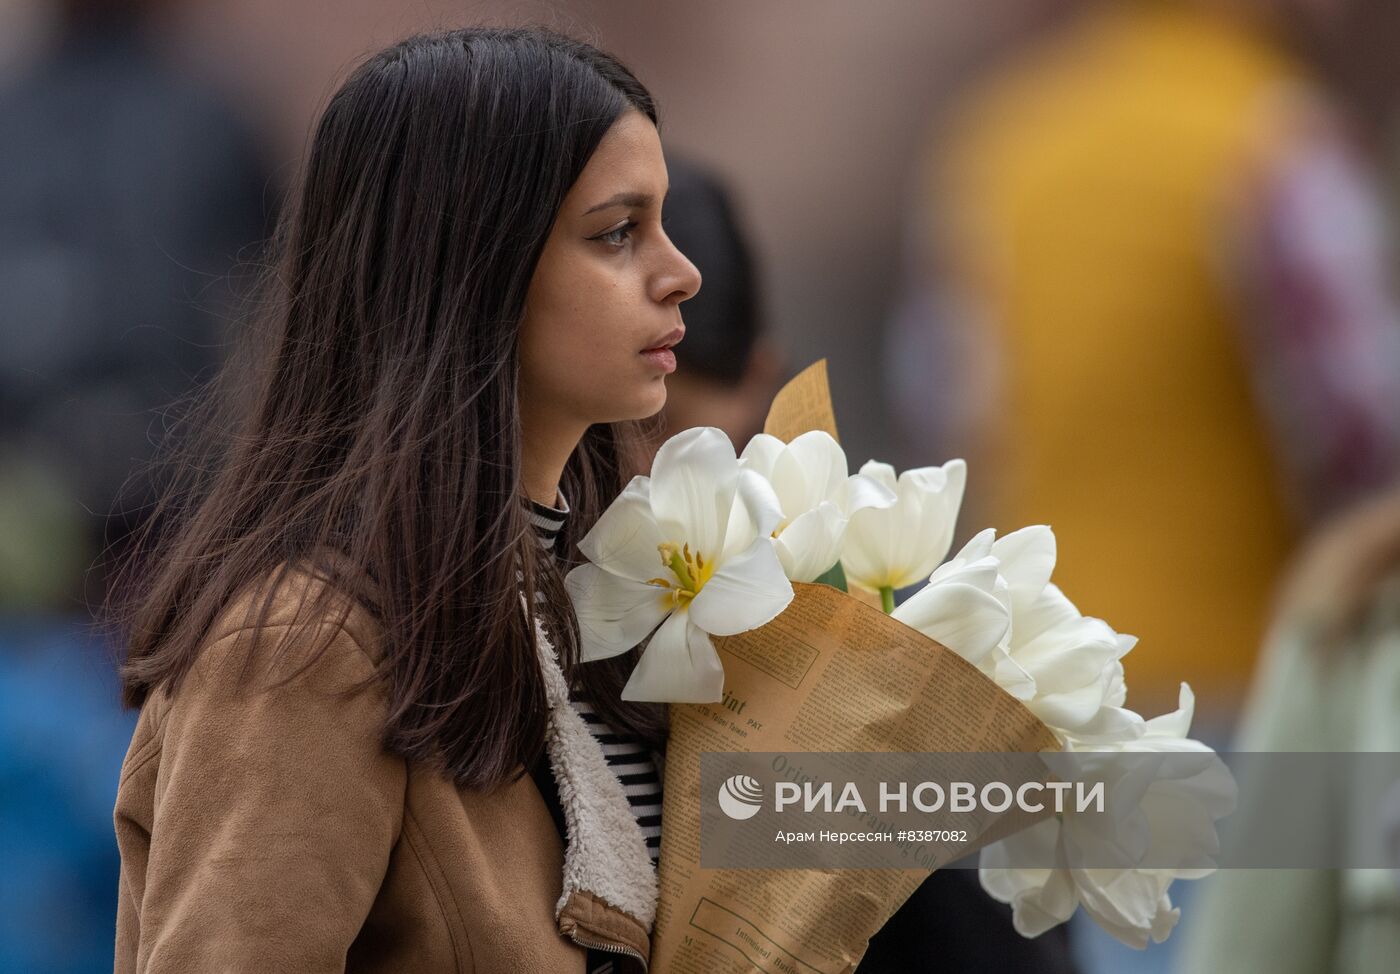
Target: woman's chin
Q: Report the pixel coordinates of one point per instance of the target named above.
(644, 403)
(649, 400)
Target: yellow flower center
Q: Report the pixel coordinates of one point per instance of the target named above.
(689, 573)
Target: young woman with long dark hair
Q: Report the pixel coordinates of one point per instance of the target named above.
(365, 742)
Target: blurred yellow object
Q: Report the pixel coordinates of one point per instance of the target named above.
(1092, 189)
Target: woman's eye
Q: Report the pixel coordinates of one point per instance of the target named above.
(618, 236)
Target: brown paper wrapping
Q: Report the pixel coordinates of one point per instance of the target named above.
(832, 673)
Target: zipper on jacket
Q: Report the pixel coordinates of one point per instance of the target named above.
(608, 947)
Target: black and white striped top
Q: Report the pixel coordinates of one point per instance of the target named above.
(629, 758)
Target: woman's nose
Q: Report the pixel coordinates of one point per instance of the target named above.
(680, 280)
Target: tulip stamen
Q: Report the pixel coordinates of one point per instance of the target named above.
(690, 570)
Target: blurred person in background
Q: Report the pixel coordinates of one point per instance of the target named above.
(1329, 681)
(1329, 677)
(1159, 271)
(1162, 261)
(728, 371)
(126, 190)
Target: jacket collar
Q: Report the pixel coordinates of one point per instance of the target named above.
(609, 891)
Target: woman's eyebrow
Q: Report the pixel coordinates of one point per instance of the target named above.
(633, 199)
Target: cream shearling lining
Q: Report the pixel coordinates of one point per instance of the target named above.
(606, 852)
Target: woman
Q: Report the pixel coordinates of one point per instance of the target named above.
(350, 645)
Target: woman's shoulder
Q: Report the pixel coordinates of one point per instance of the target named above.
(310, 600)
(285, 678)
(304, 626)
(297, 626)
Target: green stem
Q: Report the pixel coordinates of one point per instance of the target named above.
(887, 599)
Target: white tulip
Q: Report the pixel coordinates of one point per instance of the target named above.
(994, 605)
(966, 603)
(898, 546)
(671, 552)
(817, 496)
(1064, 666)
(1075, 664)
(1188, 793)
(1165, 818)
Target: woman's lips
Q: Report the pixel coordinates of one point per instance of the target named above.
(663, 358)
(661, 354)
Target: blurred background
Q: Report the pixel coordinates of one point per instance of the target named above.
(1132, 259)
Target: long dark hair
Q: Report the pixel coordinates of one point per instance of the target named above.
(376, 413)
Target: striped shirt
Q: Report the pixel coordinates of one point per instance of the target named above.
(629, 758)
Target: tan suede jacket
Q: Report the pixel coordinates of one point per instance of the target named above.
(269, 830)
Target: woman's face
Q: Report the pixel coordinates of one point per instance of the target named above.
(603, 309)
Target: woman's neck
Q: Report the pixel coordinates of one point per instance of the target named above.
(546, 448)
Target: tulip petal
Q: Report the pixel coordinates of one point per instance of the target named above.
(745, 592)
(882, 473)
(1049, 610)
(756, 512)
(1068, 710)
(1131, 904)
(811, 544)
(762, 453)
(1072, 656)
(1027, 560)
(1010, 675)
(758, 499)
(693, 481)
(966, 619)
(614, 613)
(1178, 722)
(945, 486)
(679, 665)
(625, 538)
(860, 492)
(978, 548)
(1040, 898)
(817, 469)
(983, 573)
(1111, 725)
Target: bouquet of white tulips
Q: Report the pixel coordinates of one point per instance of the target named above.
(710, 546)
